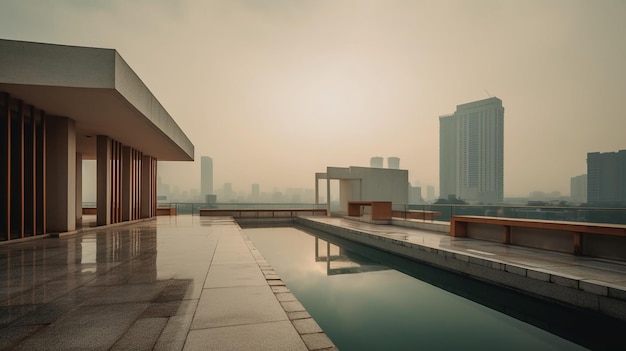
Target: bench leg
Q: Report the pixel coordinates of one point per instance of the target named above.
(578, 244)
(458, 228)
(507, 234)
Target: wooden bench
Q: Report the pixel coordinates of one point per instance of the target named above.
(461, 226)
(417, 214)
(166, 211)
(90, 210)
(381, 210)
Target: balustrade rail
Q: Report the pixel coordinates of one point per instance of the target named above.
(429, 212)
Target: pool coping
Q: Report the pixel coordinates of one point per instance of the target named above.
(314, 338)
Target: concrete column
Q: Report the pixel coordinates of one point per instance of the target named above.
(61, 174)
(79, 188)
(126, 180)
(328, 196)
(146, 187)
(103, 180)
(317, 190)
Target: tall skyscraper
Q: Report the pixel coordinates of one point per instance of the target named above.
(606, 178)
(376, 162)
(393, 162)
(471, 152)
(206, 176)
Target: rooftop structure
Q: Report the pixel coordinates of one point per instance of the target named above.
(365, 184)
(60, 105)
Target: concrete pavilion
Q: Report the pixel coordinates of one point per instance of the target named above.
(365, 184)
(60, 105)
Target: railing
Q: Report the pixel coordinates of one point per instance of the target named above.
(263, 213)
(438, 212)
(554, 213)
(194, 208)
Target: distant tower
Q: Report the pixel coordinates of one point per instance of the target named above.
(376, 162)
(393, 162)
(430, 192)
(578, 189)
(206, 176)
(606, 178)
(256, 192)
(471, 152)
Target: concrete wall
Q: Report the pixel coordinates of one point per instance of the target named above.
(372, 184)
(56, 65)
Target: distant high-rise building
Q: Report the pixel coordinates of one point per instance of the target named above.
(415, 195)
(430, 192)
(578, 189)
(206, 176)
(256, 192)
(227, 192)
(393, 162)
(606, 178)
(471, 152)
(376, 162)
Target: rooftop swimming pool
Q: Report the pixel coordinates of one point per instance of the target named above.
(365, 299)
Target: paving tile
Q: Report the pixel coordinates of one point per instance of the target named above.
(88, 327)
(161, 309)
(230, 275)
(282, 297)
(238, 305)
(280, 289)
(298, 315)
(10, 336)
(317, 341)
(272, 336)
(9, 314)
(292, 306)
(142, 335)
(306, 326)
(174, 333)
(127, 293)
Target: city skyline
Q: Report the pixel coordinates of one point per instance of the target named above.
(297, 86)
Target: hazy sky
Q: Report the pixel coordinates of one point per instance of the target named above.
(276, 90)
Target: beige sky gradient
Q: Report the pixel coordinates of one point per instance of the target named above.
(277, 90)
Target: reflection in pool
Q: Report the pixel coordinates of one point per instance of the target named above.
(365, 299)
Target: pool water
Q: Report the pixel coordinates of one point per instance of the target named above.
(365, 299)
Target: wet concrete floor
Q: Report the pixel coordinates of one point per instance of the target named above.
(173, 283)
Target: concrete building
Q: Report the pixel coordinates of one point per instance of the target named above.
(471, 152)
(415, 195)
(606, 178)
(393, 162)
(578, 189)
(430, 193)
(60, 105)
(376, 162)
(255, 194)
(365, 184)
(206, 176)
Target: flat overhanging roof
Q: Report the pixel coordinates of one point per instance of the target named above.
(97, 89)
